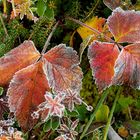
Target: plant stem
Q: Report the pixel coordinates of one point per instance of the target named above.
(4, 6)
(104, 95)
(111, 114)
(13, 7)
(49, 37)
(5, 30)
(129, 112)
(93, 9)
(92, 29)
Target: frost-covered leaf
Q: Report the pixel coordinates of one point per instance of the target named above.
(127, 67)
(26, 92)
(62, 70)
(62, 137)
(69, 130)
(15, 136)
(18, 58)
(112, 4)
(102, 58)
(125, 25)
(53, 105)
(71, 99)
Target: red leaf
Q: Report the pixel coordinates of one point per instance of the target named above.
(112, 4)
(62, 70)
(102, 59)
(26, 92)
(18, 58)
(125, 25)
(127, 67)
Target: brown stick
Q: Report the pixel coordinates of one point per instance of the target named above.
(49, 38)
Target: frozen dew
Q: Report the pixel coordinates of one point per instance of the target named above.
(11, 130)
(35, 115)
(88, 107)
(53, 104)
(68, 130)
(71, 99)
(61, 137)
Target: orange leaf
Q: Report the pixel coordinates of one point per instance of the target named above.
(18, 58)
(127, 67)
(102, 59)
(5, 138)
(123, 132)
(17, 2)
(96, 23)
(62, 70)
(26, 92)
(125, 25)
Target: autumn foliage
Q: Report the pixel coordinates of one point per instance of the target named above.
(34, 74)
(43, 85)
(111, 66)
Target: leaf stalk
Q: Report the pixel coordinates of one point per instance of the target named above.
(103, 97)
(111, 114)
(92, 29)
(49, 37)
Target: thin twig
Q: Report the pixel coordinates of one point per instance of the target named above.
(5, 30)
(129, 112)
(93, 9)
(13, 7)
(49, 37)
(31, 35)
(92, 29)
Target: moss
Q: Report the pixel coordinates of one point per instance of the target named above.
(16, 34)
(89, 91)
(40, 30)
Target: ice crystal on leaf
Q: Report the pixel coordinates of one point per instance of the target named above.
(68, 131)
(72, 98)
(53, 104)
(30, 78)
(62, 68)
(7, 132)
(102, 57)
(15, 136)
(111, 66)
(62, 137)
(125, 25)
(112, 4)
